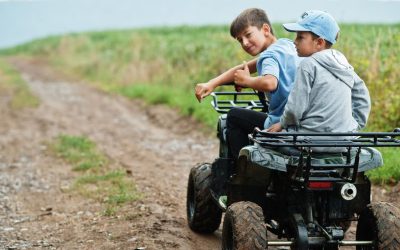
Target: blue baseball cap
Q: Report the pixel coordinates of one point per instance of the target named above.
(318, 22)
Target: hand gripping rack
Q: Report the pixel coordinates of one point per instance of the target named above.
(306, 141)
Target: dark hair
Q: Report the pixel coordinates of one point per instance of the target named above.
(249, 17)
(328, 44)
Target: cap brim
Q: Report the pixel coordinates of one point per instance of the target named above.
(293, 27)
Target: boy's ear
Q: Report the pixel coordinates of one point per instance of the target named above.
(321, 42)
(266, 28)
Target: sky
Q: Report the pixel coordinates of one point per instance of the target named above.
(25, 20)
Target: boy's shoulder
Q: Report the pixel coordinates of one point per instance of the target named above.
(329, 58)
(308, 64)
(282, 46)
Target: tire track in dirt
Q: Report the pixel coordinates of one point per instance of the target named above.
(154, 143)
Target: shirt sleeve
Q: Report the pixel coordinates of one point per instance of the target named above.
(269, 66)
(361, 102)
(298, 100)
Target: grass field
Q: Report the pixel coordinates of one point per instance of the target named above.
(162, 65)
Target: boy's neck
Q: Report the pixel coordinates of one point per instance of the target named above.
(270, 40)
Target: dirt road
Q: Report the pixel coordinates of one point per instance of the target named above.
(155, 144)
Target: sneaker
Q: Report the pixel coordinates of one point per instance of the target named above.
(223, 200)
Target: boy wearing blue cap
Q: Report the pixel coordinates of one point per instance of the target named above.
(328, 96)
(276, 67)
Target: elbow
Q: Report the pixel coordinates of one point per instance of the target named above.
(269, 83)
(270, 88)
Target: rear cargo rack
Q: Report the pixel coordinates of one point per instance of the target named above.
(304, 140)
(306, 171)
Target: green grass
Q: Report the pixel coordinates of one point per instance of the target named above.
(79, 151)
(97, 181)
(175, 97)
(14, 89)
(112, 188)
(162, 65)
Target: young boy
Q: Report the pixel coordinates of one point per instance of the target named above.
(276, 68)
(328, 96)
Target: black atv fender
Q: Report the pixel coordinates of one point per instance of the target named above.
(255, 166)
(253, 174)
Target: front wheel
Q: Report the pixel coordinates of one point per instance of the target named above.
(379, 222)
(203, 215)
(244, 227)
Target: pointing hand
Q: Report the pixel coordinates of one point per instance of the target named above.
(202, 90)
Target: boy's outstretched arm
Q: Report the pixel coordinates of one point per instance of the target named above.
(204, 89)
(266, 83)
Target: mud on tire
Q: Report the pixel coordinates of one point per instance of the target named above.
(379, 222)
(244, 227)
(203, 215)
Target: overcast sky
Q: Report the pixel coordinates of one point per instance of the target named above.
(25, 20)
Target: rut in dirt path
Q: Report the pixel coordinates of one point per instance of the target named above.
(154, 143)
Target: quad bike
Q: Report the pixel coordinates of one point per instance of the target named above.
(282, 185)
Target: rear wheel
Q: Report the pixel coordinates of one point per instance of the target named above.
(203, 215)
(244, 227)
(379, 222)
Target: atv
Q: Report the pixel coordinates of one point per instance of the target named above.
(281, 186)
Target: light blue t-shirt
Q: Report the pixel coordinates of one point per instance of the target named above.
(280, 60)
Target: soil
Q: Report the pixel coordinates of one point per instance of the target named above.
(155, 145)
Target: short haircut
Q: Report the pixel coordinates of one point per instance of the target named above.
(328, 44)
(249, 17)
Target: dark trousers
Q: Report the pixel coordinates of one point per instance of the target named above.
(239, 123)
